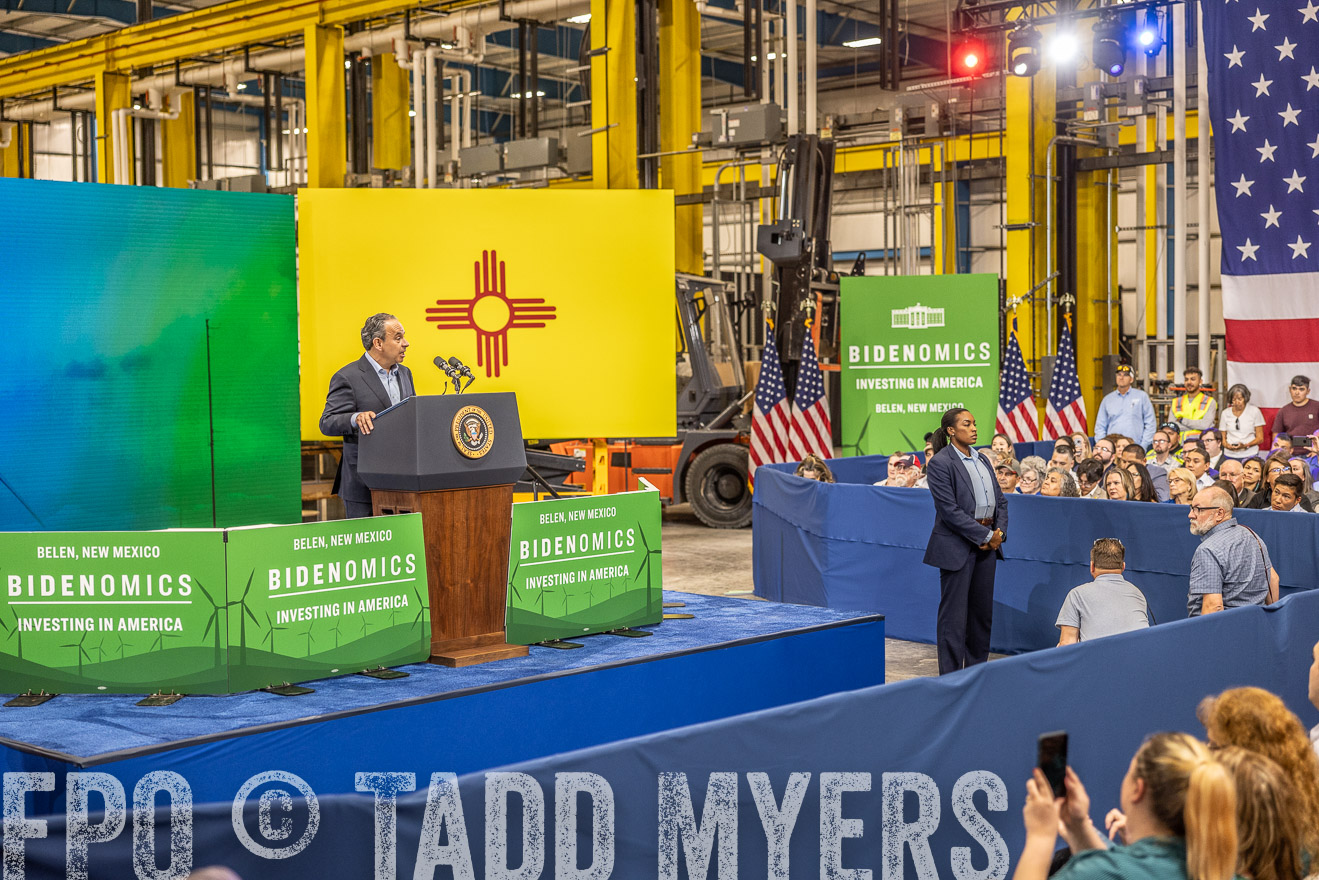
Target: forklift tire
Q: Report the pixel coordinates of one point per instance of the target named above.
(717, 486)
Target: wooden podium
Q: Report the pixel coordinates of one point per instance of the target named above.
(454, 459)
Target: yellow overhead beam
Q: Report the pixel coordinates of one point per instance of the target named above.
(180, 37)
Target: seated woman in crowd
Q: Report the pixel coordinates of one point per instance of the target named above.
(1268, 817)
(1118, 485)
(1253, 469)
(1242, 424)
(1032, 475)
(1059, 483)
(1001, 448)
(1081, 444)
(1276, 466)
(1178, 819)
(1141, 480)
(1258, 721)
(1181, 486)
(812, 467)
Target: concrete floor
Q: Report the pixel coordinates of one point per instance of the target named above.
(717, 562)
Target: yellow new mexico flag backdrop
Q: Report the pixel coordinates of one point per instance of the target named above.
(565, 297)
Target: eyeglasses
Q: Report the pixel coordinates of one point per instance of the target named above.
(1199, 510)
(1277, 470)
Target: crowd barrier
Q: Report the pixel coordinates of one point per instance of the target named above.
(919, 778)
(856, 546)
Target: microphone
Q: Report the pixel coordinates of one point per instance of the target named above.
(444, 365)
(461, 368)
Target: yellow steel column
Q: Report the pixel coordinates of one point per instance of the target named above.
(327, 143)
(943, 231)
(1095, 244)
(680, 118)
(178, 146)
(1029, 125)
(391, 129)
(1154, 194)
(113, 92)
(9, 158)
(614, 95)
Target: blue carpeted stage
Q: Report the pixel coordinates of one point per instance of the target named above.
(735, 656)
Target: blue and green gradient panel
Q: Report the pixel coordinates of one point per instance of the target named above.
(151, 379)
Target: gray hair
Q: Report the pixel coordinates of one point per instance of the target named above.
(1069, 489)
(374, 328)
(1238, 389)
(1216, 497)
(1035, 463)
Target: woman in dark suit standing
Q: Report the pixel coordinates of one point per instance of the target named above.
(970, 522)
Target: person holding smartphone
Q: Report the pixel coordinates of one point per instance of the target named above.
(1163, 837)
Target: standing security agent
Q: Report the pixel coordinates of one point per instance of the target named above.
(970, 522)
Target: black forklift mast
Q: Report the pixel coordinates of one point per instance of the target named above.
(797, 243)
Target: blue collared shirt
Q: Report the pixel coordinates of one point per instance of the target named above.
(1129, 414)
(1231, 562)
(388, 378)
(981, 482)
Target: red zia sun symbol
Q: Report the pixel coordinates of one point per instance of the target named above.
(491, 313)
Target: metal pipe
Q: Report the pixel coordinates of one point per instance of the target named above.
(811, 47)
(794, 113)
(1048, 229)
(430, 78)
(1108, 262)
(418, 121)
(1178, 44)
(1203, 175)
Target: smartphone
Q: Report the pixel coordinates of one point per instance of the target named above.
(1053, 760)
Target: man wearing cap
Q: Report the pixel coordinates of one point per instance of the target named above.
(1193, 411)
(1161, 449)
(1126, 411)
(1008, 473)
(904, 471)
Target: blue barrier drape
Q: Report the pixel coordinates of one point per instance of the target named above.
(857, 546)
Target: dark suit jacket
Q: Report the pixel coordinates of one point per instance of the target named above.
(956, 534)
(356, 388)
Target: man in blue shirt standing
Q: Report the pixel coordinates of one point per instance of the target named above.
(1126, 411)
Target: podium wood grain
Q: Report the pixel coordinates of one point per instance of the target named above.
(467, 534)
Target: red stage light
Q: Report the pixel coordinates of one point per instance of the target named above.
(969, 59)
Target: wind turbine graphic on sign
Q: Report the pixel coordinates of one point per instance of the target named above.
(491, 313)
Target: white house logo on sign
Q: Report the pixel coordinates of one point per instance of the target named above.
(917, 317)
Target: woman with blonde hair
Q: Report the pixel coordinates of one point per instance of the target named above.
(1181, 486)
(1118, 485)
(1178, 819)
(1268, 822)
(1256, 720)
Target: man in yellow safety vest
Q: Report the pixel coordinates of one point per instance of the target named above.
(1194, 411)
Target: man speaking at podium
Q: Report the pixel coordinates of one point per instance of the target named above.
(374, 382)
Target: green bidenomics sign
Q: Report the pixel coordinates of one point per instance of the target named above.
(584, 565)
(210, 611)
(914, 347)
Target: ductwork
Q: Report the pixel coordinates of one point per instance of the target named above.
(478, 20)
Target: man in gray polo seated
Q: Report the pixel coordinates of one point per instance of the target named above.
(1108, 605)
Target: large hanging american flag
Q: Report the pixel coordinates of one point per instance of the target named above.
(771, 416)
(1017, 416)
(810, 431)
(1065, 411)
(1264, 105)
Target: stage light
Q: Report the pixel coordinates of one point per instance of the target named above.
(1024, 51)
(1150, 36)
(862, 43)
(1109, 50)
(1063, 48)
(969, 59)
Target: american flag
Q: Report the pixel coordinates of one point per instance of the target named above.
(810, 431)
(1264, 105)
(771, 416)
(1017, 416)
(1065, 411)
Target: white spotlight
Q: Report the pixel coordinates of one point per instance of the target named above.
(1064, 48)
(861, 44)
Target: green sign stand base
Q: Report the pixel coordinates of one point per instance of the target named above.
(679, 616)
(384, 674)
(161, 699)
(288, 690)
(29, 699)
(559, 644)
(630, 633)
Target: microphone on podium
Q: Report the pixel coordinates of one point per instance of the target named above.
(463, 370)
(449, 371)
